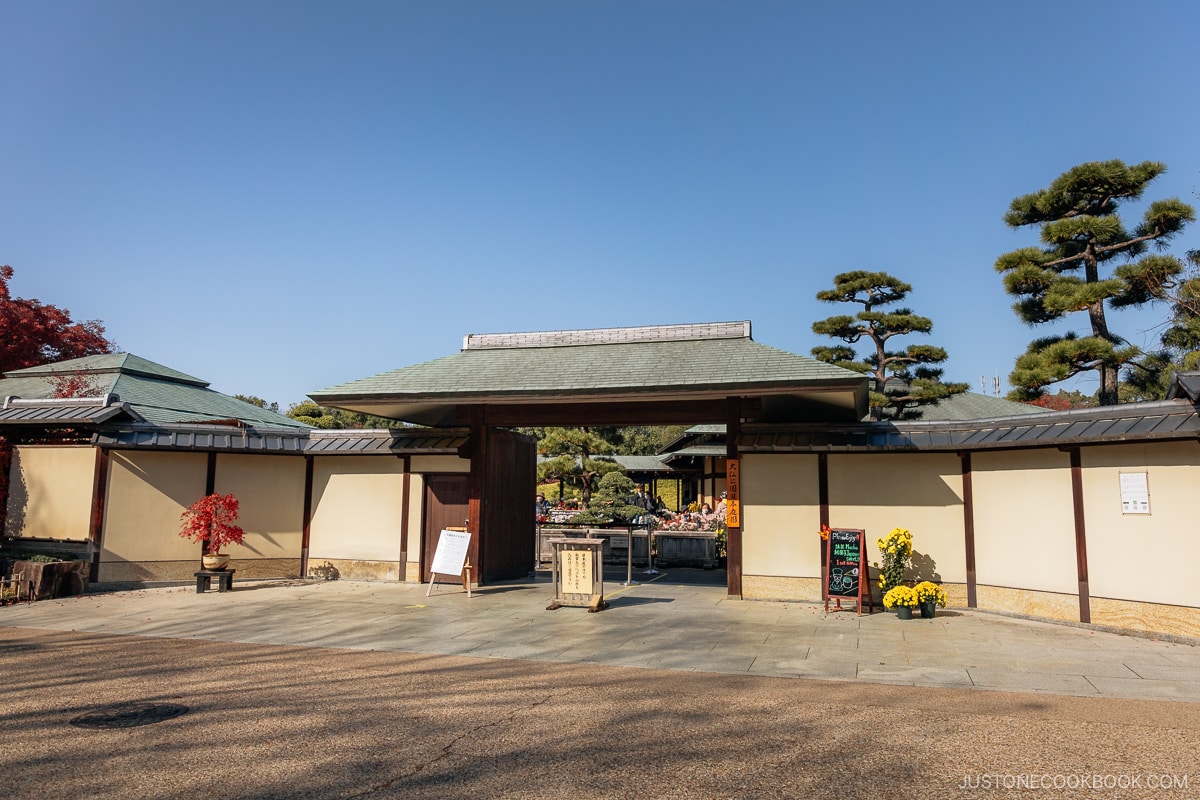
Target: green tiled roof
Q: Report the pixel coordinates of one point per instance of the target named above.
(158, 394)
(680, 367)
(969, 405)
(708, 365)
(126, 363)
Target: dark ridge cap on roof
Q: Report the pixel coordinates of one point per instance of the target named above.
(415, 430)
(61, 402)
(594, 336)
(212, 427)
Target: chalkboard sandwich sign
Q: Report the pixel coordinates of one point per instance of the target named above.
(845, 570)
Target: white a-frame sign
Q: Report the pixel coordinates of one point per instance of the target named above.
(450, 558)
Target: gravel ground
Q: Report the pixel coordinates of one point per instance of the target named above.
(267, 721)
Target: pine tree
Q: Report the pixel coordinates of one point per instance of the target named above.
(1081, 233)
(1150, 379)
(571, 460)
(904, 379)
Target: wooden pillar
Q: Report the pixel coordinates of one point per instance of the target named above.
(210, 475)
(969, 530)
(478, 448)
(96, 523)
(733, 536)
(405, 495)
(823, 486)
(823, 513)
(1081, 565)
(210, 486)
(306, 529)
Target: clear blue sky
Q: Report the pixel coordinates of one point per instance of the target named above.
(282, 196)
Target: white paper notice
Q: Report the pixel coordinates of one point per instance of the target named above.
(1135, 493)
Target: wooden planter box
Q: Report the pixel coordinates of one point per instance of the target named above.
(691, 549)
(42, 581)
(546, 533)
(615, 543)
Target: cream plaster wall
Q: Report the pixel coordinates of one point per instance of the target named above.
(416, 517)
(919, 491)
(1024, 520)
(357, 507)
(1143, 557)
(440, 464)
(50, 492)
(270, 493)
(147, 493)
(780, 516)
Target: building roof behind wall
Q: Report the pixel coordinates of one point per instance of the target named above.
(665, 366)
(153, 392)
(971, 405)
(228, 438)
(1185, 385)
(73, 411)
(1163, 420)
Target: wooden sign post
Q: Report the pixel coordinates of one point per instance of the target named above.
(845, 569)
(450, 558)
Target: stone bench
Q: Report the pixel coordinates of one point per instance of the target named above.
(224, 580)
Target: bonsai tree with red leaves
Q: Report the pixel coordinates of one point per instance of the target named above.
(210, 520)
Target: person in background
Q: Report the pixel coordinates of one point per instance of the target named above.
(642, 500)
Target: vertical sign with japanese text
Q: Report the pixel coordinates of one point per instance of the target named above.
(733, 493)
(577, 572)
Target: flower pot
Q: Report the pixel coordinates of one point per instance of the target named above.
(904, 612)
(215, 560)
(928, 610)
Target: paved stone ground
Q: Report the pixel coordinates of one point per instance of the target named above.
(494, 697)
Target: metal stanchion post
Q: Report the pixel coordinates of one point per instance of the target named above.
(650, 570)
(629, 581)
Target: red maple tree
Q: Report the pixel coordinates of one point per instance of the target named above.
(33, 333)
(210, 520)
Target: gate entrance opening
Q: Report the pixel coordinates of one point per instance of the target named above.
(707, 373)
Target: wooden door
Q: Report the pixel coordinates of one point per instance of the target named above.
(446, 506)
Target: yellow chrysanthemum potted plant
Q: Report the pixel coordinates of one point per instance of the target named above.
(929, 597)
(896, 550)
(903, 599)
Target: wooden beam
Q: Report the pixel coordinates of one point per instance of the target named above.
(567, 414)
